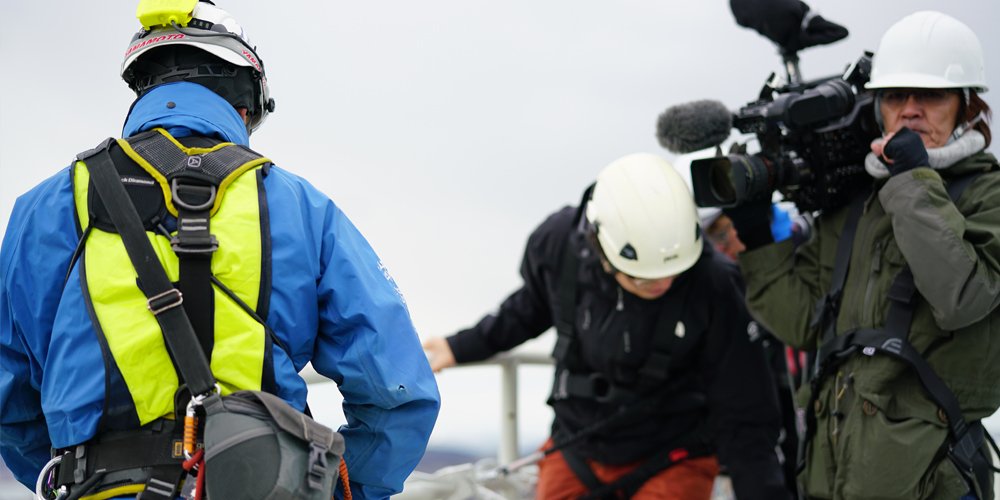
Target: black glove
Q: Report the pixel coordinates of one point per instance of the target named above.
(781, 22)
(906, 150)
(752, 222)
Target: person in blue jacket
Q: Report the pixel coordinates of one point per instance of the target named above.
(67, 373)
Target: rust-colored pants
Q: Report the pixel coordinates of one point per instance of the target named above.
(688, 480)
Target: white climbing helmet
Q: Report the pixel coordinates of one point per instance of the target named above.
(928, 49)
(645, 218)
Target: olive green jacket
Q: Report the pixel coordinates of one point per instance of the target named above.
(889, 441)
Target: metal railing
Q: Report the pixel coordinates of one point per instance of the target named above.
(508, 363)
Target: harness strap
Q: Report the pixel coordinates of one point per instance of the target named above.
(656, 369)
(163, 297)
(119, 455)
(583, 472)
(826, 309)
(567, 305)
(125, 462)
(194, 245)
(695, 445)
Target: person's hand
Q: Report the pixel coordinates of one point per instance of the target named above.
(439, 353)
(788, 23)
(901, 151)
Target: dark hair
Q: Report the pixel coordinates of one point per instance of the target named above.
(969, 111)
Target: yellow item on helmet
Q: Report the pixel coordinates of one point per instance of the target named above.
(155, 13)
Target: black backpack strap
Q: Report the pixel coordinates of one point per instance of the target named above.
(163, 297)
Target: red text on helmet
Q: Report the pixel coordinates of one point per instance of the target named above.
(253, 60)
(176, 36)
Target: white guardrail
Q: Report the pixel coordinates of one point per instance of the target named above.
(508, 363)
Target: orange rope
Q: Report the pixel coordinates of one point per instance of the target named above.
(344, 479)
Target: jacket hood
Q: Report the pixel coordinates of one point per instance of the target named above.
(183, 109)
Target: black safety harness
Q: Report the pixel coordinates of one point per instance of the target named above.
(966, 439)
(652, 389)
(152, 455)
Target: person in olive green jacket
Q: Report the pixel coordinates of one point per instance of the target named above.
(877, 433)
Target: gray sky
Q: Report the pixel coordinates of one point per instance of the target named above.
(446, 130)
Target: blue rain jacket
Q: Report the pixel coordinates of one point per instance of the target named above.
(332, 303)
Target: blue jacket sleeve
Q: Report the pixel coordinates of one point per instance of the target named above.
(367, 344)
(42, 218)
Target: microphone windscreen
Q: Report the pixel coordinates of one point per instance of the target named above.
(694, 126)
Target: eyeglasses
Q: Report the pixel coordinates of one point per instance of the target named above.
(612, 270)
(898, 97)
(720, 237)
(640, 281)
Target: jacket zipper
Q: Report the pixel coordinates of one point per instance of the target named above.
(876, 267)
(619, 307)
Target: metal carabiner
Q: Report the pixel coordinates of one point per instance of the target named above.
(191, 421)
(40, 494)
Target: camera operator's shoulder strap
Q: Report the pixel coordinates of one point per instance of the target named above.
(827, 307)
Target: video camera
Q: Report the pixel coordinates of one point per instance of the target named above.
(814, 137)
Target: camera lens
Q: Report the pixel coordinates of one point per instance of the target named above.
(721, 180)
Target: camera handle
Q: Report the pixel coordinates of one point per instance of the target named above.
(791, 60)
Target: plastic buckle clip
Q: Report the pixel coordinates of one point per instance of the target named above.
(560, 389)
(316, 468)
(826, 308)
(166, 300)
(189, 246)
(602, 388)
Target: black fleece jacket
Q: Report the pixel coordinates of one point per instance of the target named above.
(614, 330)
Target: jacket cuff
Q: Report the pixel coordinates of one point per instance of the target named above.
(903, 183)
(468, 346)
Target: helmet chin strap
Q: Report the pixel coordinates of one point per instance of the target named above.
(878, 113)
(961, 130)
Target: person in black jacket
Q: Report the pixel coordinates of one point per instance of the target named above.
(657, 380)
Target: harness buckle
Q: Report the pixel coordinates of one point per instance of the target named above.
(825, 308)
(559, 390)
(166, 300)
(602, 388)
(176, 188)
(194, 245)
(317, 465)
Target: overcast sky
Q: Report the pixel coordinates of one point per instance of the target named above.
(446, 130)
